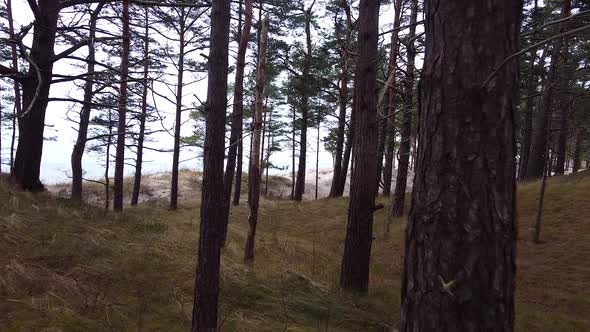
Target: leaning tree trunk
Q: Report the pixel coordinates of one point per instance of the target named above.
(17, 97)
(359, 231)
(399, 198)
(237, 119)
(539, 142)
(390, 129)
(80, 145)
(31, 124)
(254, 176)
(207, 277)
(122, 110)
(178, 119)
(459, 266)
(143, 115)
(300, 183)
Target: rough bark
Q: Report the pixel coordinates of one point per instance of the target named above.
(237, 119)
(537, 156)
(207, 277)
(359, 231)
(80, 145)
(35, 86)
(399, 198)
(254, 181)
(178, 115)
(122, 111)
(143, 115)
(390, 129)
(293, 145)
(300, 183)
(459, 266)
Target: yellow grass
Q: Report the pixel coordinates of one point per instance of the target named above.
(77, 268)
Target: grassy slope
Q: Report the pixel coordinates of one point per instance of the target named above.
(81, 269)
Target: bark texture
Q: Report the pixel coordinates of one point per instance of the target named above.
(254, 179)
(459, 266)
(359, 230)
(122, 110)
(399, 198)
(207, 277)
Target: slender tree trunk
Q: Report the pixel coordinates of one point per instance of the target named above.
(17, 96)
(317, 160)
(348, 146)
(31, 124)
(122, 110)
(527, 127)
(342, 104)
(143, 116)
(390, 129)
(577, 162)
(255, 169)
(564, 110)
(107, 179)
(538, 220)
(293, 157)
(459, 266)
(269, 146)
(236, 122)
(207, 277)
(80, 145)
(359, 231)
(539, 141)
(300, 184)
(264, 126)
(398, 203)
(178, 120)
(238, 189)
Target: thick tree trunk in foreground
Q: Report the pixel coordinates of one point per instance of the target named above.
(207, 279)
(80, 145)
(142, 117)
(237, 118)
(540, 133)
(359, 231)
(254, 179)
(390, 129)
(122, 110)
(178, 116)
(459, 266)
(399, 198)
(31, 124)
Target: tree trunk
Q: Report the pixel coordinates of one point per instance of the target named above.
(80, 145)
(236, 122)
(142, 117)
(342, 104)
(17, 97)
(539, 218)
(359, 231)
(564, 110)
(31, 124)
(399, 198)
(300, 184)
(268, 147)
(178, 120)
(255, 169)
(107, 180)
(459, 266)
(238, 189)
(207, 277)
(317, 160)
(577, 162)
(122, 110)
(293, 157)
(348, 146)
(536, 156)
(390, 129)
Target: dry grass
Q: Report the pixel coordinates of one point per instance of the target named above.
(77, 268)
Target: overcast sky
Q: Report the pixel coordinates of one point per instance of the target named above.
(56, 154)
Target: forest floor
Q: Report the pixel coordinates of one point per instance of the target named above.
(67, 267)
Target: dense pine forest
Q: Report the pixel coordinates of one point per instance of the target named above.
(294, 165)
